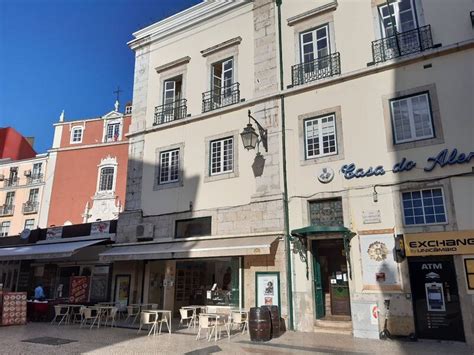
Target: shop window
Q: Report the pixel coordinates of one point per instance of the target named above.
(469, 266)
(425, 206)
(193, 227)
(326, 212)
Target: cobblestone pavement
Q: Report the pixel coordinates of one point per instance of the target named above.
(183, 341)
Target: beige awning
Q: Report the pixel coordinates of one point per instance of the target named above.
(213, 247)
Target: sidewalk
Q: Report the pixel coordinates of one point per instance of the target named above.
(182, 341)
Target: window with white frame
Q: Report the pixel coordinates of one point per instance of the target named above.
(426, 206)
(10, 198)
(222, 156)
(76, 134)
(320, 136)
(4, 229)
(169, 166)
(411, 118)
(113, 132)
(33, 197)
(30, 224)
(314, 44)
(106, 178)
(128, 110)
(399, 14)
(37, 168)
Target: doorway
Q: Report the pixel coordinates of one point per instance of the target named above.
(331, 284)
(436, 301)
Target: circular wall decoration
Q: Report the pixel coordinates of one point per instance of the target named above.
(377, 251)
(325, 175)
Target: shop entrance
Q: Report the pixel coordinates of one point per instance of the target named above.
(435, 298)
(331, 286)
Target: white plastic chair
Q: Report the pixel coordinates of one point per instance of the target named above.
(111, 316)
(132, 311)
(241, 320)
(89, 314)
(207, 323)
(60, 312)
(162, 318)
(186, 314)
(148, 318)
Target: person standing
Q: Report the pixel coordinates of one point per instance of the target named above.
(39, 293)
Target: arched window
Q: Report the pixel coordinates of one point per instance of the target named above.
(106, 182)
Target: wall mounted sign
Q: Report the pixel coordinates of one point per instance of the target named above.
(54, 233)
(371, 217)
(79, 289)
(101, 227)
(325, 175)
(441, 243)
(442, 159)
(267, 289)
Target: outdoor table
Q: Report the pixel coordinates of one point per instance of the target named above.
(194, 308)
(217, 317)
(166, 313)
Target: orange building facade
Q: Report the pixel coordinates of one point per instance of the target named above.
(89, 168)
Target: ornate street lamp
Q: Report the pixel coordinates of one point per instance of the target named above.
(250, 138)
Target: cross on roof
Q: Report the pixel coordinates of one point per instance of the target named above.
(117, 92)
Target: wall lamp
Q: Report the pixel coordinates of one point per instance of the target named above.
(250, 138)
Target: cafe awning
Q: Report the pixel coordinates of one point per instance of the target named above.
(45, 250)
(314, 229)
(203, 248)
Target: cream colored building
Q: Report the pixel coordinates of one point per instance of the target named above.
(355, 142)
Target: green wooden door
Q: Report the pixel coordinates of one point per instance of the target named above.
(318, 284)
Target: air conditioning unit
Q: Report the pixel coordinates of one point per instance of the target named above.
(144, 232)
(2, 177)
(27, 173)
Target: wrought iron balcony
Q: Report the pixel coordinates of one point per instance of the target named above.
(7, 210)
(403, 43)
(320, 68)
(30, 207)
(171, 111)
(34, 179)
(220, 97)
(11, 182)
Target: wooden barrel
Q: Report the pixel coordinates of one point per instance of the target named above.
(259, 324)
(275, 320)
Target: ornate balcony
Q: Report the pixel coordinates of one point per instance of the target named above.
(11, 182)
(34, 179)
(170, 112)
(30, 207)
(220, 97)
(403, 43)
(7, 210)
(320, 68)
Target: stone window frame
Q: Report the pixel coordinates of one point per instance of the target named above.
(311, 23)
(344, 196)
(170, 73)
(107, 162)
(73, 131)
(235, 171)
(339, 137)
(230, 52)
(450, 225)
(156, 185)
(435, 118)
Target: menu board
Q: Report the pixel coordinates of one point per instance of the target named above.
(78, 289)
(14, 308)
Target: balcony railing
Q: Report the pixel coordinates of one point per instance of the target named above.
(403, 43)
(34, 179)
(220, 97)
(7, 210)
(11, 182)
(30, 207)
(320, 68)
(171, 111)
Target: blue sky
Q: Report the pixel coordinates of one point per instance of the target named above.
(68, 54)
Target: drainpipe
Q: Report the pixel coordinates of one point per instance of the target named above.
(289, 283)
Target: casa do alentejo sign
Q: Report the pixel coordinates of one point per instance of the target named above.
(442, 159)
(440, 243)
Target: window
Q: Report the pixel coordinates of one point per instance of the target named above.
(411, 118)
(222, 156)
(469, 266)
(76, 135)
(13, 178)
(113, 132)
(30, 224)
(424, 207)
(10, 198)
(128, 110)
(222, 78)
(33, 197)
(314, 45)
(400, 12)
(193, 227)
(169, 166)
(173, 107)
(326, 212)
(320, 136)
(4, 229)
(106, 181)
(37, 169)
(172, 90)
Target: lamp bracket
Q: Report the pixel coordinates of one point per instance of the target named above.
(263, 133)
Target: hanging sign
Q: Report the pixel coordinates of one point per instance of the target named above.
(440, 243)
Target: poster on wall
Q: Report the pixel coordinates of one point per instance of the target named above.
(101, 227)
(122, 290)
(267, 288)
(14, 308)
(54, 233)
(379, 268)
(78, 289)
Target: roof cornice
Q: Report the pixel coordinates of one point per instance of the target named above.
(183, 20)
